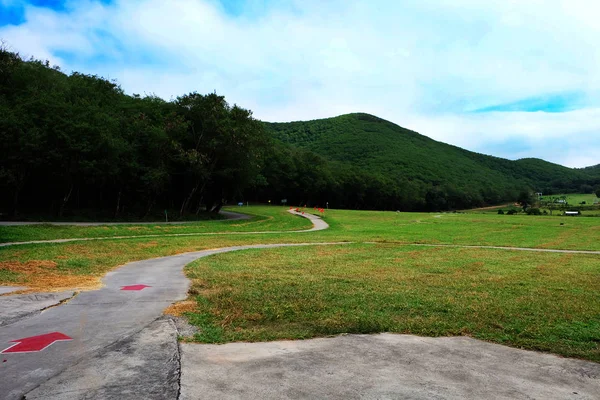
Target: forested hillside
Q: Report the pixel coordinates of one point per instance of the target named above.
(77, 145)
(401, 169)
(73, 144)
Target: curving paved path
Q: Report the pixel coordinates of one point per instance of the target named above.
(230, 215)
(97, 320)
(318, 224)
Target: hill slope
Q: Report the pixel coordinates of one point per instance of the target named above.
(393, 153)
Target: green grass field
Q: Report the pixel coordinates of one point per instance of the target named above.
(547, 302)
(264, 219)
(540, 301)
(574, 199)
(444, 228)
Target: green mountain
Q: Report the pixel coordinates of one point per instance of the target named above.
(75, 144)
(441, 175)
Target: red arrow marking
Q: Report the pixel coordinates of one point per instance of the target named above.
(35, 343)
(135, 287)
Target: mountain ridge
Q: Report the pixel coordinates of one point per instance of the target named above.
(408, 160)
(595, 166)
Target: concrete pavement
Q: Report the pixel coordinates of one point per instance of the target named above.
(10, 289)
(382, 366)
(145, 365)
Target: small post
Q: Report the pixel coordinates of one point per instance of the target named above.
(166, 216)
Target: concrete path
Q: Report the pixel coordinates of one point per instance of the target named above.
(145, 365)
(385, 366)
(537, 250)
(318, 224)
(230, 215)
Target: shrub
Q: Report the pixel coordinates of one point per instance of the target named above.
(511, 212)
(501, 212)
(534, 211)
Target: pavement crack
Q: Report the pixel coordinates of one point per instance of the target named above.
(178, 358)
(61, 302)
(32, 311)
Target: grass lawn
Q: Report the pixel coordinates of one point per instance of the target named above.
(81, 265)
(575, 199)
(538, 301)
(548, 302)
(264, 218)
(463, 229)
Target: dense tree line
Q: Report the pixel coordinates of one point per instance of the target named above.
(77, 144)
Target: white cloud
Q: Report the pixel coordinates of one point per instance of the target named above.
(569, 138)
(419, 64)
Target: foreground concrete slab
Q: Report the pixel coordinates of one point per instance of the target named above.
(143, 366)
(16, 307)
(385, 366)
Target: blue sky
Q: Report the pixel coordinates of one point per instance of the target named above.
(512, 79)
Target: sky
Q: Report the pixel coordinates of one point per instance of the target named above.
(512, 79)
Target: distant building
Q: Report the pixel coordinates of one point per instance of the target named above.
(572, 213)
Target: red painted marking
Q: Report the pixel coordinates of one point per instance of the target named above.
(35, 343)
(135, 287)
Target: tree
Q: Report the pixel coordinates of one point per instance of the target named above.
(598, 192)
(221, 152)
(525, 199)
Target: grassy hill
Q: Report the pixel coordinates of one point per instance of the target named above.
(386, 150)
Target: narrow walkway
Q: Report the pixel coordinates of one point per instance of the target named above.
(230, 215)
(534, 249)
(318, 224)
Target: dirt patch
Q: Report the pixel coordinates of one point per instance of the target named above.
(41, 275)
(178, 309)
(29, 267)
(59, 283)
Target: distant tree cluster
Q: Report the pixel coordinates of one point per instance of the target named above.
(73, 143)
